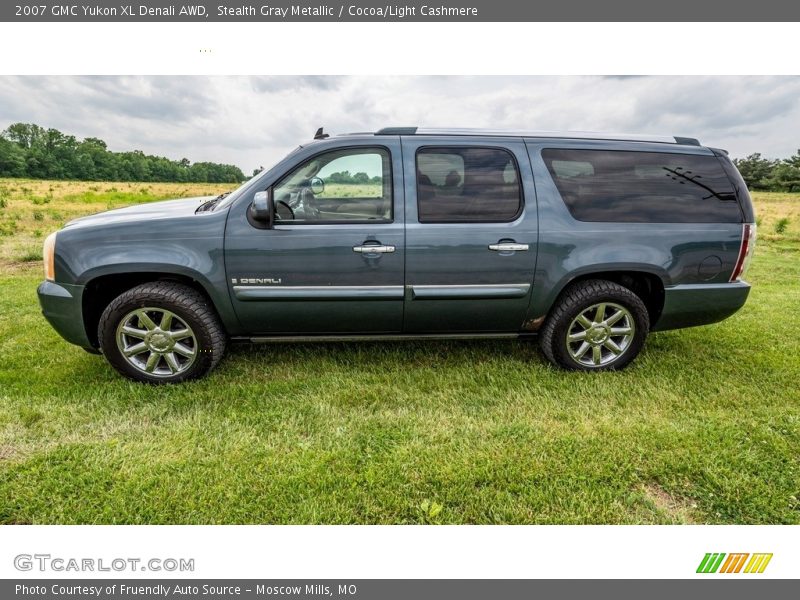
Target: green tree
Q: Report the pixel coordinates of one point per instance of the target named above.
(785, 176)
(755, 170)
(794, 160)
(24, 134)
(12, 159)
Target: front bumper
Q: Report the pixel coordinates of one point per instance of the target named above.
(62, 306)
(700, 304)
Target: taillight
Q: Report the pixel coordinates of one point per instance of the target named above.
(745, 251)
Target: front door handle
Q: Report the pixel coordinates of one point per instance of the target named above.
(373, 249)
(508, 247)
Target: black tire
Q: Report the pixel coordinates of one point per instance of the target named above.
(189, 308)
(573, 302)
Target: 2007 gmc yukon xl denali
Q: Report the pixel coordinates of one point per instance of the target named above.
(588, 241)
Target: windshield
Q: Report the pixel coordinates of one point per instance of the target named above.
(225, 200)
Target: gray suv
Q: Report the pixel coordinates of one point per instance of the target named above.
(588, 241)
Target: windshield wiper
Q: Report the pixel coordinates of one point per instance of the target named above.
(210, 204)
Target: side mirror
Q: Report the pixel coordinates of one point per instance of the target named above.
(317, 185)
(262, 208)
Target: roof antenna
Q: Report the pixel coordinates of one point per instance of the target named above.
(320, 135)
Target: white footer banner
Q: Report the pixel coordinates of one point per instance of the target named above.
(404, 552)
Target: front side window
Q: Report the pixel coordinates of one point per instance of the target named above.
(643, 187)
(352, 185)
(462, 184)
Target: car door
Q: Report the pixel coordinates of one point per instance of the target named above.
(471, 234)
(334, 260)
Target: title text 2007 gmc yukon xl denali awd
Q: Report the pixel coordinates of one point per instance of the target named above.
(588, 241)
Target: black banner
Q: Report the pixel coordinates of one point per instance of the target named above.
(412, 10)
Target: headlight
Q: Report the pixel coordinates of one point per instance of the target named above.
(49, 254)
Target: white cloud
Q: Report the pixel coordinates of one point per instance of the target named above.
(255, 121)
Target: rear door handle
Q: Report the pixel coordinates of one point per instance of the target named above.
(508, 247)
(373, 249)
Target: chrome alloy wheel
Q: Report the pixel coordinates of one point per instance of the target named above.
(156, 341)
(600, 334)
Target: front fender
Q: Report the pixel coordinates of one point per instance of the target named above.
(190, 247)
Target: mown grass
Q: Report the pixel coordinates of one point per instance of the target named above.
(703, 428)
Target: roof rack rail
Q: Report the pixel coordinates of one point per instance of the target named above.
(580, 135)
(397, 131)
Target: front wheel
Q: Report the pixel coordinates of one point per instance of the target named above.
(597, 325)
(161, 332)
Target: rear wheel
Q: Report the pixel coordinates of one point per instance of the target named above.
(597, 325)
(161, 332)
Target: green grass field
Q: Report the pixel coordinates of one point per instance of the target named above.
(703, 428)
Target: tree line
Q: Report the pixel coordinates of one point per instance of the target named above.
(353, 178)
(28, 150)
(781, 175)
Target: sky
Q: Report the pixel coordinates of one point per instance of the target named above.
(255, 121)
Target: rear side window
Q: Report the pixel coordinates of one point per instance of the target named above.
(462, 184)
(643, 187)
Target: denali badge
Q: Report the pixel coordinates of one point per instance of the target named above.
(255, 280)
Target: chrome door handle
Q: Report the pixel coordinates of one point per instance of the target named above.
(373, 249)
(508, 247)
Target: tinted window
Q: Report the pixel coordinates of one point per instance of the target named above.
(650, 187)
(351, 185)
(467, 185)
